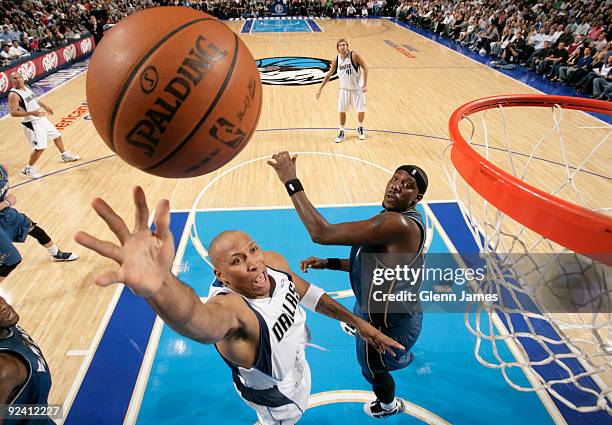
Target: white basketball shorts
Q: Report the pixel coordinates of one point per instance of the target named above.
(296, 387)
(39, 132)
(354, 98)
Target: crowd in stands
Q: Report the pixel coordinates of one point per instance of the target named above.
(569, 42)
(229, 9)
(32, 26)
(565, 41)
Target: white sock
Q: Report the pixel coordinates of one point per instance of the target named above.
(360, 124)
(53, 250)
(341, 128)
(389, 406)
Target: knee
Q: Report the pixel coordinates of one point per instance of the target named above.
(6, 269)
(40, 235)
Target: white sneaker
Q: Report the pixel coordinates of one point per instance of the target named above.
(375, 410)
(69, 157)
(340, 137)
(32, 172)
(64, 256)
(361, 133)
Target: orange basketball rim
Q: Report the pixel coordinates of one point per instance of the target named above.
(584, 231)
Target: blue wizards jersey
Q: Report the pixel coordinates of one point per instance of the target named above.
(363, 261)
(35, 389)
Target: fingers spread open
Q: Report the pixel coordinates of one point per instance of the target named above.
(142, 210)
(391, 343)
(114, 222)
(162, 219)
(104, 248)
(109, 278)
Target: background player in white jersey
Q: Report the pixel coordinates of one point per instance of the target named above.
(353, 75)
(256, 325)
(38, 129)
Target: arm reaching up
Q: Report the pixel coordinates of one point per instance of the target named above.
(145, 260)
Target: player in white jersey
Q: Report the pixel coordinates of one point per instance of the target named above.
(37, 128)
(257, 325)
(353, 75)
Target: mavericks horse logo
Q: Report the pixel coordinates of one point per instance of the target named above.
(293, 70)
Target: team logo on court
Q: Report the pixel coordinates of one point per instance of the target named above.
(27, 70)
(293, 70)
(69, 53)
(4, 82)
(50, 61)
(85, 46)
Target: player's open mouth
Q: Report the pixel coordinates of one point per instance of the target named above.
(260, 280)
(391, 196)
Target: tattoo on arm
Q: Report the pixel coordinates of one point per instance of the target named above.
(331, 308)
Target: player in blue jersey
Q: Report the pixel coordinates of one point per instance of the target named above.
(15, 227)
(24, 373)
(397, 231)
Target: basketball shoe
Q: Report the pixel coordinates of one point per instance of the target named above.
(375, 410)
(69, 157)
(340, 137)
(64, 256)
(361, 133)
(32, 172)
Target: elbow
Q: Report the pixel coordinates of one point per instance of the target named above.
(317, 238)
(320, 236)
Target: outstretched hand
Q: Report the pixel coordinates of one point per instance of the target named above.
(378, 340)
(144, 257)
(284, 165)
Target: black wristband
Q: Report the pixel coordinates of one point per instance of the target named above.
(334, 264)
(293, 186)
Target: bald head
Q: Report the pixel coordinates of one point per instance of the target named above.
(239, 264)
(225, 243)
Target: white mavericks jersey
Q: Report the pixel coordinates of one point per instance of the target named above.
(283, 333)
(349, 73)
(27, 102)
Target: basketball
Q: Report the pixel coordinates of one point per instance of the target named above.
(174, 92)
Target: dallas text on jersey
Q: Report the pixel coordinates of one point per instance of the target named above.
(287, 317)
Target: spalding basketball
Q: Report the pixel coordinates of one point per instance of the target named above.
(173, 91)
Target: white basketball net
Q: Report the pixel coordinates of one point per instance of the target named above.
(570, 330)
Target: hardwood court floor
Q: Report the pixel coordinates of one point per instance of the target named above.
(409, 101)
